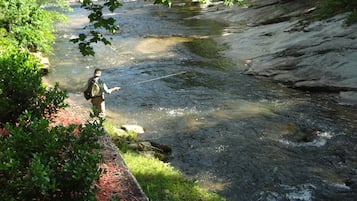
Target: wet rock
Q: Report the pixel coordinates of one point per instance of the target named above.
(133, 128)
(292, 49)
(43, 61)
(120, 133)
(322, 64)
(119, 136)
(152, 149)
(348, 98)
(302, 136)
(351, 182)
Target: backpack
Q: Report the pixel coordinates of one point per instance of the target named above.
(93, 90)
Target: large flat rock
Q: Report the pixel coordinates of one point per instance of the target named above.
(275, 39)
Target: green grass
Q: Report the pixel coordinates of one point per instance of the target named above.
(159, 180)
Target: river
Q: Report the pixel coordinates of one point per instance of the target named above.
(242, 137)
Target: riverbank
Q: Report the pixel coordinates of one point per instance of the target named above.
(281, 40)
(116, 181)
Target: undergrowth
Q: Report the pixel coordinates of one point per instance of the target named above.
(39, 162)
(330, 8)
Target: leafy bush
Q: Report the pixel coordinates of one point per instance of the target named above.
(27, 24)
(38, 163)
(351, 18)
(238, 2)
(21, 88)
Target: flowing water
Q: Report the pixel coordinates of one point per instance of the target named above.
(242, 137)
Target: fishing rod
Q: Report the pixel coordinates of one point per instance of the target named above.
(158, 78)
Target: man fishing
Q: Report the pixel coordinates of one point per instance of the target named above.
(97, 89)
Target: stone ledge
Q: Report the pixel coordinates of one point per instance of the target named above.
(131, 189)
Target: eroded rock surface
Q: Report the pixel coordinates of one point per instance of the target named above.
(280, 40)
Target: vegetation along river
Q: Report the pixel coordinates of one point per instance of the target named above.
(242, 137)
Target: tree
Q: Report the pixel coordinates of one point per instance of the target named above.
(97, 21)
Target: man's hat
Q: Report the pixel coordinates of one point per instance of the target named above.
(97, 72)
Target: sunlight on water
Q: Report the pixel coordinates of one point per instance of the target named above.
(320, 140)
(179, 111)
(302, 195)
(123, 52)
(158, 45)
(302, 192)
(243, 137)
(315, 143)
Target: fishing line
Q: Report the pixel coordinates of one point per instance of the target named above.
(157, 78)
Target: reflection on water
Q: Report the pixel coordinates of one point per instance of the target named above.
(245, 138)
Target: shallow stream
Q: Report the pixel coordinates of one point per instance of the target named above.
(242, 137)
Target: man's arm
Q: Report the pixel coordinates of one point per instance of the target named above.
(109, 91)
(114, 89)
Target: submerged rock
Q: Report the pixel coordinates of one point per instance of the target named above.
(348, 98)
(152, 149)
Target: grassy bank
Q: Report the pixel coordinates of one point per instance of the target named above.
(160, 181)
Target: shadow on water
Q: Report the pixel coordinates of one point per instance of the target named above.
(245, 138)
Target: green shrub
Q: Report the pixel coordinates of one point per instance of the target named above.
(330, 8)
(21, 88)
(238, 2)
(351, 18)
(38, 163)
(20, 82)
(28, 24)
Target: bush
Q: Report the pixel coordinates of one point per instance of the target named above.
(21, 88)
(27, 24)
(20, 82)
(38, 163)
(351, 18)
(330, 8)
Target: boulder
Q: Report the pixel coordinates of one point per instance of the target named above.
(133, 128)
